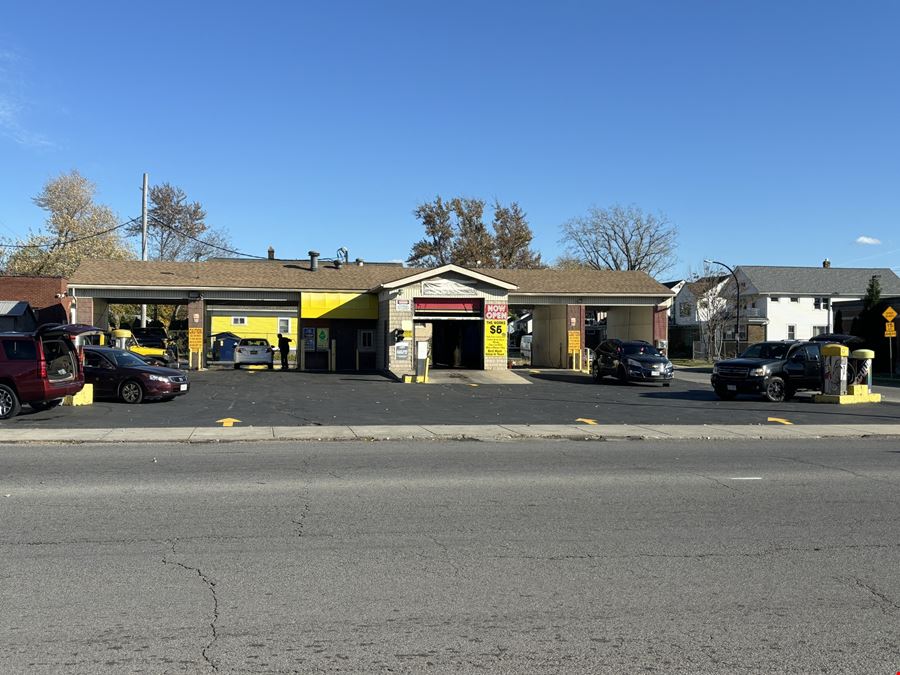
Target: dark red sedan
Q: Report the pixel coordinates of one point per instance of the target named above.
(116, 373)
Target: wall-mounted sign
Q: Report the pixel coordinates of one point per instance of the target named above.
(195, 339)
(402, 305)
(574, 341)
(309, 339)
(448, 286)
(495, 337)
(321, 339)
(493, 311)
(401, 351)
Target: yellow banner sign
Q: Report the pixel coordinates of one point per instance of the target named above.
(890, 330)
(495, 337)
(195, 339)
(889, 314)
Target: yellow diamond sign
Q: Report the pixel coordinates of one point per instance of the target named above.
(889, 314)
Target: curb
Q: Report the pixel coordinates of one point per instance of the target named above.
(449, 432)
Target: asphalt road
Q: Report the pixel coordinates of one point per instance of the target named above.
(275, 398)
(451, 557)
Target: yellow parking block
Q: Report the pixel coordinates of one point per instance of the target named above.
(83, 397)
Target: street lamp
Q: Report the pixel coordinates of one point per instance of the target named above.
(737, 312)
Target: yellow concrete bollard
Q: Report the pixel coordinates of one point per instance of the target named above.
(83, 397)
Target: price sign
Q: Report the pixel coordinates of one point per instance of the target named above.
(495, 337)
(889, 314)
(195, 339)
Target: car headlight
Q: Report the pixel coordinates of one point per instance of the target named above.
(158, 378)
(758, 372)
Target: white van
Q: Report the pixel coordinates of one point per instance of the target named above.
(525, 347)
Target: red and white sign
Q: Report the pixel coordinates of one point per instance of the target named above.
(496, 312)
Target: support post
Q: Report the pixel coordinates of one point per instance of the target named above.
(144, 242)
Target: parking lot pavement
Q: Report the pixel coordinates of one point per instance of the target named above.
(262, 398)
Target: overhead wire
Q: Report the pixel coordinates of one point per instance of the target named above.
(205, 243)
(73, 241)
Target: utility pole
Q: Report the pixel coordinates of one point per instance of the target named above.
(144, 242)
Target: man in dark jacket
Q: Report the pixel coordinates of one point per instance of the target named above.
(284, 346)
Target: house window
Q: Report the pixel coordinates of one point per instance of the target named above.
(821, 303)
(820, 330)
(684, 309)
(774, 298)
(792, 332)
(284, 326)
(239, 321)
(795, 299)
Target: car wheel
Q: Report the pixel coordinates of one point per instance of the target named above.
(132, 392)
(595, 369)
(622, 375)
(724, 394)
(667, 384)
(271, 365)
(776, 391)
(237, 366)
(9, 403)
(45, 405)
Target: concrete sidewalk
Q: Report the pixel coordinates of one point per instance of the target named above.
(489, 432)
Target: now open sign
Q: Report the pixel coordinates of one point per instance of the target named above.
(496, 312)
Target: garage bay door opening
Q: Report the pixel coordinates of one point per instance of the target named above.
(456, 330)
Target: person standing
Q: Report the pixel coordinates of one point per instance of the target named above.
(284, 346)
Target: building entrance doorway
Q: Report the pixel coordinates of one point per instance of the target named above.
(457, 344)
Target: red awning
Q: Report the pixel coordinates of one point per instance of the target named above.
(449, 305)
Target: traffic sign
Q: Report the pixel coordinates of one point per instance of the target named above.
(889, 314)
(890, 330)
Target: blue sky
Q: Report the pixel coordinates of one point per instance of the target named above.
(767, 132)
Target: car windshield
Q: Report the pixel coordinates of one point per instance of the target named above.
(649, 350)
(260, 342)
(126, 359)
(766, 350)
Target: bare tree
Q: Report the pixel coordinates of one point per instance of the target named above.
(177, 228)
(715, 310)
(621, 238)
(76, 229)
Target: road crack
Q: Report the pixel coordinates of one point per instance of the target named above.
(885, 604)
(211, 587)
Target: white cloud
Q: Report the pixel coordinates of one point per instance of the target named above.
(868, 241)
(12, 107)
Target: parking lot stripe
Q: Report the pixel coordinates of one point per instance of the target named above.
(779, 420)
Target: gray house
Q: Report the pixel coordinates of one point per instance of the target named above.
(17, 315)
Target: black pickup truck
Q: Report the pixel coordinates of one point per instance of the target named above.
(775, 370)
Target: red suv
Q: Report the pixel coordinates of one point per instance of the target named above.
(39, 368)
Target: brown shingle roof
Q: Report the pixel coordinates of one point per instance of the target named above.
(581, 281)
(278, 275)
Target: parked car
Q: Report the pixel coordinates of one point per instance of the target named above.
(156, 351)
(118, 373)
(775, 370)
(40, 368)
(254, 351)
(631, 360)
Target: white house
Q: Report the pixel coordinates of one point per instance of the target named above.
(794, 303)
(696, 300)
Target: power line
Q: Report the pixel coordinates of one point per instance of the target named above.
(205, 243)
(72, 241)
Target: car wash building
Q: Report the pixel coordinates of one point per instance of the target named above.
(358, 317)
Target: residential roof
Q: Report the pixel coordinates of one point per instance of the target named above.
(703, 284)
(276, 275)
(828, 281)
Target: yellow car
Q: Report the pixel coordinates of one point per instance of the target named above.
(125, 339)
